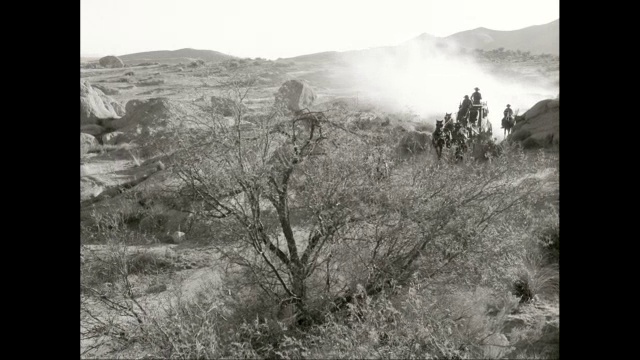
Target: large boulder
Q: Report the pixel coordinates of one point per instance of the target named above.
(90, 188)
(144, 113)
(87, 141)
(295, 95)
(540, 124)
(95, 106)
(151, 119)
(111, 62)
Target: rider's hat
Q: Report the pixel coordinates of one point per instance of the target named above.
(476, 89)
(466, 96)
(508, 105)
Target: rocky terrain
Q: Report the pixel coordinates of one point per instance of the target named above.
(165, 275)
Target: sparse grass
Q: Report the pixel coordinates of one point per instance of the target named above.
(550, 240)
(537, 278)
(108, 148)
(531, 143)
(148, 263)
(447, 315)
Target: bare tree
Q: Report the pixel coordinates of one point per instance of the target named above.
(293, 199)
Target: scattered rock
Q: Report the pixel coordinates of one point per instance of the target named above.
(94, 105)
(87, 141)
(111, 138)
(89, 188)
(143, 112)
(106, 90)
(160, 166)
(162, 252)
(295, 95)
(92, 129)
(535, 330)
(129, 73)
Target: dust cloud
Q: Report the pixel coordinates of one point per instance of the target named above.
(430, 81)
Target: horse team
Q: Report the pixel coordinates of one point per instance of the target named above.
(459, 134)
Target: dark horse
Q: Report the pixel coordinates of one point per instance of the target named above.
(473, 116)
(448, 129)
(508, 122)
(460, 141)
(439, 138)
(463, 116)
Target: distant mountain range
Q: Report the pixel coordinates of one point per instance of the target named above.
(167, 56)
(537, 39)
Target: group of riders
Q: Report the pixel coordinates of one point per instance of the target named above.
(460, 132)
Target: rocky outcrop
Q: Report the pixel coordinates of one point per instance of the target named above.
(106, 90)
(111, 62)
(540, 125)
(95, 106)
(295, 95)
(92, 129)
(87, 141)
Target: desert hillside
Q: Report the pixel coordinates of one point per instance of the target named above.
(537, 39)
(311, 207)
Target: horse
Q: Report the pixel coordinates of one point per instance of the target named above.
(508, 122)
(473, 116)
(439, 138)
(448, 129)
(447, 117)
(463, 115)
(460, 141)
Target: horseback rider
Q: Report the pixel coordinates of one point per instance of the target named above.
(464, 107)
(476, 96)
(507, 120)
(508, 112)
(439, 132)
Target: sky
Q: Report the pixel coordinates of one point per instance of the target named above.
(285, 28)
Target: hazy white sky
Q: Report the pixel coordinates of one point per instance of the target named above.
(286, 28)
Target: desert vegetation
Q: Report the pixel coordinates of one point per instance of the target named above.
(315, 234)
(236, 207)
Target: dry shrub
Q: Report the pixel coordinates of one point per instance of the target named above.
(537, 278)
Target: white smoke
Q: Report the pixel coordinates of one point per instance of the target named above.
(431, 82)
